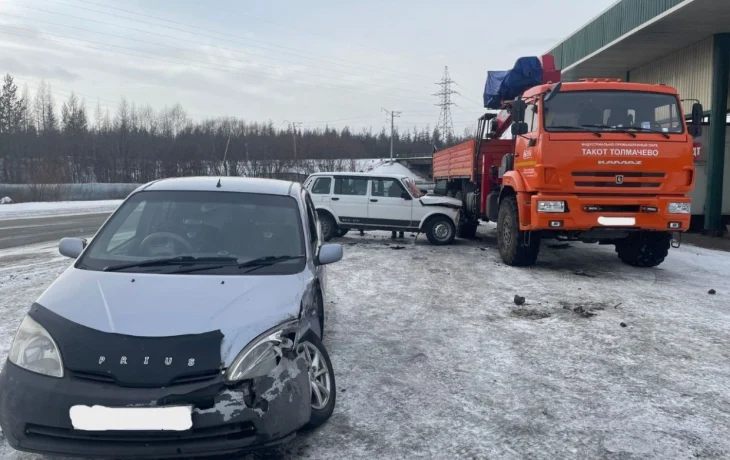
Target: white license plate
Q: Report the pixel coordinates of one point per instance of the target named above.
(100, 418)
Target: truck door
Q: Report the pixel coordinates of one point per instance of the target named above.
(349, 199)
(389, 203)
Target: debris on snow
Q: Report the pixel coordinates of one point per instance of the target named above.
(530, 314)
(397, 247)
(559, 246)
(582, 273)
(623, 324)
(519, 300)
(712, 292)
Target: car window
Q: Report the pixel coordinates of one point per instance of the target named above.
(163, 224)
(311, 220)
(322, 186)
(389, 188)
(351, 186)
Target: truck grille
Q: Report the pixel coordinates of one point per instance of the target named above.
(618, 179)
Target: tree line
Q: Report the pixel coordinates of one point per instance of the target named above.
(41, 144)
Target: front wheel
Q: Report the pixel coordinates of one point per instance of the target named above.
(321, 379)
(517, 248)
(644, 249)
(440, 230)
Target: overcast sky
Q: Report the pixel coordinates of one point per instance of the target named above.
(319, 61)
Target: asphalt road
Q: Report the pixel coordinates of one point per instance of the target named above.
(24, 231)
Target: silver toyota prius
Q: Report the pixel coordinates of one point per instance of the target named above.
(191, 324)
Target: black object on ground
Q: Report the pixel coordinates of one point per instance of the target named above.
(559, 246)
(623, 324)
(712, 292)
(397, 247)
(519, 300)
(582, 273)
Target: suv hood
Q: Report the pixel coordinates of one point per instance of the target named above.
(156, 305)
(436, 200)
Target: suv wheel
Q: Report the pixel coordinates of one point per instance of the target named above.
(440, 230)
(329, 226)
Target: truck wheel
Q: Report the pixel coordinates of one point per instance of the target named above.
(644, 249)
(329, 226)
(467, 230)
(511, 240)
(440, 230)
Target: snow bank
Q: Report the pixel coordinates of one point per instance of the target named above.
(56, 208)
(386, 167)
(5, 200)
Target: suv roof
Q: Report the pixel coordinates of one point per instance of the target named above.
(360, 174)
(228, 184)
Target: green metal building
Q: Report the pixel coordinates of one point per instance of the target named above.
(684, 44)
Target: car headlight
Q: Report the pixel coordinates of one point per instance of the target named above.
(551, 206)
(680, 208)
(35, 350)
(261, 356)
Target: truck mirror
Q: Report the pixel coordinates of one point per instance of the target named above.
(695, 126)
(519, 129)
(554, 91)
(518, 110)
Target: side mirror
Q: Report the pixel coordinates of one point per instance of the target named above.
(518, 108)
(695, 127)
(329, 254)
(71, 247)
(519, 129)
(406, 196)
(554, 91)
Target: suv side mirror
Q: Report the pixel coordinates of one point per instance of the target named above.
(518, 108)
(405, 195)
(519, 129)
(71, 247)
(695, 127)
(329, 254)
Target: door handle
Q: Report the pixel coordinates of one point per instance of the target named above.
(334, 198)
(374, 201)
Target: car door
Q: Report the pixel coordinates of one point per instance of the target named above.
(320, 189)
(349, 199)
(389, 203)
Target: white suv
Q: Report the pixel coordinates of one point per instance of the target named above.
(381, 202)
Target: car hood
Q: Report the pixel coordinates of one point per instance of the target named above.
(435, 200)
(157, 305)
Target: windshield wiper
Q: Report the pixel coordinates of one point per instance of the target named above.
(650, 130)
(255, 264)
(179, 260)
(585, 128)
(616, 129)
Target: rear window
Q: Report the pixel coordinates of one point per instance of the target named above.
(351, 186)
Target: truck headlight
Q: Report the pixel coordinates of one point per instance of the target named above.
(680, 208)
(551, 206)
(35, 350)
(262, 355)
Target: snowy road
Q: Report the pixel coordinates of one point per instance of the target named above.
(21, 232)
(434, 360)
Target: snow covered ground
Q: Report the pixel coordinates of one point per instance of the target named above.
(56, 208)
(434, 359)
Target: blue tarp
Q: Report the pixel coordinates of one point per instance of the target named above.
(506, 85)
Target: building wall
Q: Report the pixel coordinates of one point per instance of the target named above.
(689, 70)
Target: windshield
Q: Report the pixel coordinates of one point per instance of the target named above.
(613, 110)
(412, 187)
(177, 231)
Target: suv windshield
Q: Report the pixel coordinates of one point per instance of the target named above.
(412, 187)
(613, 111)
(201, 233)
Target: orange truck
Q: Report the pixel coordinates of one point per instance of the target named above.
(596, 160)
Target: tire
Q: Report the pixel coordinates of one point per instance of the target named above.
(319, 414)
(329, 226)
(440, 230)
(467, 230)
(342, 232)
(511, 240)
(644, 249)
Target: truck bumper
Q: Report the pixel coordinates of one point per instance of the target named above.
(591, 212)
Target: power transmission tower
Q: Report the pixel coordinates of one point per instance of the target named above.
(445, 124)
(393, 114)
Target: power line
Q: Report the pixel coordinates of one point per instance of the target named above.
(445, 123)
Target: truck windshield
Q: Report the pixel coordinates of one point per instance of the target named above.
(630, 111)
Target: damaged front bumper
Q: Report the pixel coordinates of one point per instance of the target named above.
(34, 413)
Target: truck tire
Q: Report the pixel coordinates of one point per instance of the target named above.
(511, 240)
(467, 230)
(644, 249)
(440, 230)
(329, 226)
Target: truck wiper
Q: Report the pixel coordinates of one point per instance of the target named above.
(650, 130)
(179, 260)
(585, 128)
(615, 129)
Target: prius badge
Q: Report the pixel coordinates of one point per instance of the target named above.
(168, 361)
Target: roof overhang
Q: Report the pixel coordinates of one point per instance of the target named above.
(687, 23)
